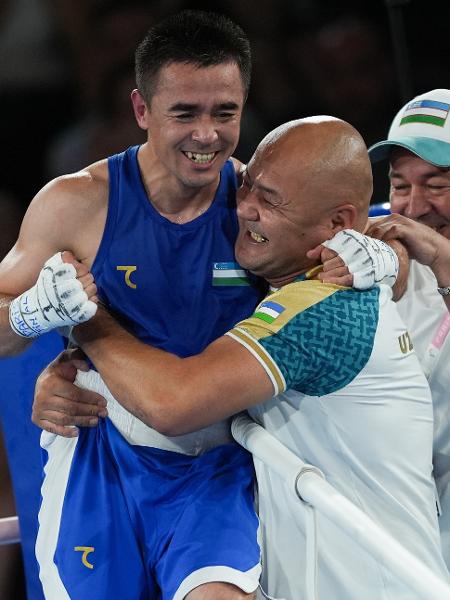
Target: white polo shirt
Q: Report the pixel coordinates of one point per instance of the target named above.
(428, 321)
(353, 401)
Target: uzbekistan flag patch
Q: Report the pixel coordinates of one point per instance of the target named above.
(229, 273)
(426, 111)
(269, 311)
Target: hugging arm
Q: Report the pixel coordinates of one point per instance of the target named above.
(171, 394)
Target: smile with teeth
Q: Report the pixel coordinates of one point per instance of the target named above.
(199, 157)
(257, 237)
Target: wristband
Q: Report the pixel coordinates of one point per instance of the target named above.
(56, 300)
(369, 260)
(444, 291)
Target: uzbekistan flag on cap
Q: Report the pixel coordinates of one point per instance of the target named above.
(229, 273)
(269, 311)
(426, 111)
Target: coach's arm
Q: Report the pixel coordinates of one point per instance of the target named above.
(171, 394)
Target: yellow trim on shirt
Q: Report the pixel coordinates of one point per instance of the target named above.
(295, 297)
(266, 361)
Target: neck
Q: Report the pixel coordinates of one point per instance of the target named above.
(180, 208)
(174, 200)
(311, 273)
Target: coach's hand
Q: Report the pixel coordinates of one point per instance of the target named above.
(59, 405)
(427, 246)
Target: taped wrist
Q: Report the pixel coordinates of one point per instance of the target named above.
(56, 300)
(369, 260)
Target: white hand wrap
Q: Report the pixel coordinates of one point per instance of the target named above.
(57, 300)
(370, 261)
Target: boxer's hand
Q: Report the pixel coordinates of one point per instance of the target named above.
(353, 259)
(334, 268)
(64, 295)
(59, 405)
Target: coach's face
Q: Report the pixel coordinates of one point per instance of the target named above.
(420, 190)
(279, 216)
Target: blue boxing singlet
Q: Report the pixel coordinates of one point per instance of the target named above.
(174, 286)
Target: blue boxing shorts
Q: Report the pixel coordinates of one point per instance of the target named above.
(134, 522)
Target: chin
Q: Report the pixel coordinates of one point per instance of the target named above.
(199, 182)
(242, 262)
(253, 267)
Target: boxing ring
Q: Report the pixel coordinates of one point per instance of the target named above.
(309, 486)
(9, 531)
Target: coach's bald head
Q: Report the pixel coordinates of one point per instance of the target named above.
(307, 180)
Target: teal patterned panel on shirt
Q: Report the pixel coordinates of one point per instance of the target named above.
(323, 348)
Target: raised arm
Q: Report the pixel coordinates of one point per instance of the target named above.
(63, 216)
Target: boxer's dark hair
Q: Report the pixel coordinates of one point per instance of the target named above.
(193, 37)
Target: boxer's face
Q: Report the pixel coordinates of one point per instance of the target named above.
(193, 120)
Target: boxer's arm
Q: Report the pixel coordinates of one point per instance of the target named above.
(56, 220)
(355, 260)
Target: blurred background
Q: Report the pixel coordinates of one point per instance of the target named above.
(66, 72)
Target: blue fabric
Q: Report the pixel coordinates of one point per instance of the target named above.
(172, 513)
(377, 210)
(174, 304)
(17, 377)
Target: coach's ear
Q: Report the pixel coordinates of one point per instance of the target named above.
(239, 169)
(343, 217)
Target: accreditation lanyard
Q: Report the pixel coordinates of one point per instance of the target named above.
(436, 344)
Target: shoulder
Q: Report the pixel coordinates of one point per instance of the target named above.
(78, 195)
(69, 213)
(327, 310)
(320, 336)
(296, 302)
(89, 185)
